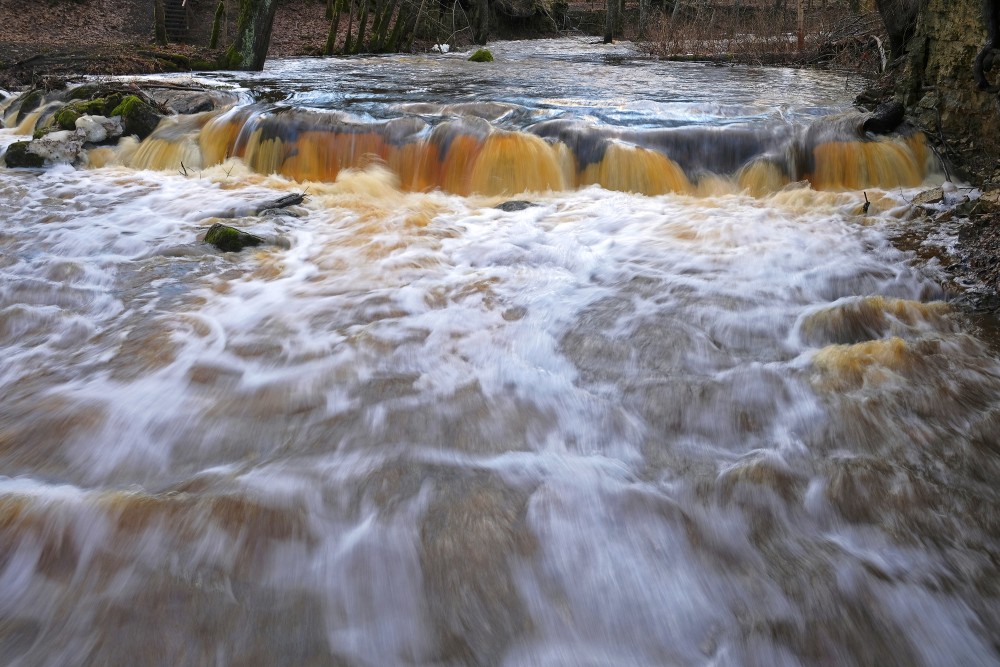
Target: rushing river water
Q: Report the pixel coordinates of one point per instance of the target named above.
(724, 422)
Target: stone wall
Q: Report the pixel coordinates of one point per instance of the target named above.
(937, 87)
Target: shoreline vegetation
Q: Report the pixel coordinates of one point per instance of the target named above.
(837, 34)
(737, 32)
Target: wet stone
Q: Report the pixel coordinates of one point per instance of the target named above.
(515, 205)
(18, 155)
(230, 239)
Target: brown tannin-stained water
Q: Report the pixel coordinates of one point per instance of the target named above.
(690, 407)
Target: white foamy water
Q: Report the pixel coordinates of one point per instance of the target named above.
(606, 429)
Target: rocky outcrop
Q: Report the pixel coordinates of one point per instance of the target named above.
(934, 80)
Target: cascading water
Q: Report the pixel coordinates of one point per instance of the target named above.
(688, 406)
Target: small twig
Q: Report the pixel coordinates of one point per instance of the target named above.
(184, 169)
(864, 209)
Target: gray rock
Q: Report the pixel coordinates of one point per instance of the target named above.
(515, 205)
(182, 101)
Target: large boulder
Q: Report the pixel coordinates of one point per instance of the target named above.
(187, 101)
(138, 116)
(18, 155)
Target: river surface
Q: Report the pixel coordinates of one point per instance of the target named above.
(724, 422)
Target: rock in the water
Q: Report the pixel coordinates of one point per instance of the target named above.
(28, 102)
(18, 155)
(58, 147)
(230, 239)
(96, 129)
(481, 56)
(932, 196)
(138, 117)
(886, 118)
(183, 101)
(66, 117)
(515, 205)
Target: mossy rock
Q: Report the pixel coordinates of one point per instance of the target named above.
(199, 65)
(30, 101)
(66, 117)
(85, 92)
(481, 56)
(138, 117)
(17, 155)
(230, 239)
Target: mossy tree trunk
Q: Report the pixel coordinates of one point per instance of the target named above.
(331, 38)
(220, 17)
(362, 27)
(253, 35)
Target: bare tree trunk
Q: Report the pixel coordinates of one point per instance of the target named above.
(801, 28)
(414, 26)
(610, 20)
(677, 8)
(350, 25)
(480, 21)
(159, 23)
(253, 35)
(900, 19)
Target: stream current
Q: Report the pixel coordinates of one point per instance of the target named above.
(689, 407)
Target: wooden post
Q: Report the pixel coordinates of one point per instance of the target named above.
(801, 23)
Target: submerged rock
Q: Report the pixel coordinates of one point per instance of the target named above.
(515, 205)
(230, 239)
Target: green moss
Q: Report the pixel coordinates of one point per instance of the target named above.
(84, 92)
(17, 155)
(230, 239)
(220, 13)
(199, 65)
(66, 118)
(231, 59)
(138, 117)
(127, 106)
(481, 56)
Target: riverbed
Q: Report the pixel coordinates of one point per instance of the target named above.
(567, 359)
